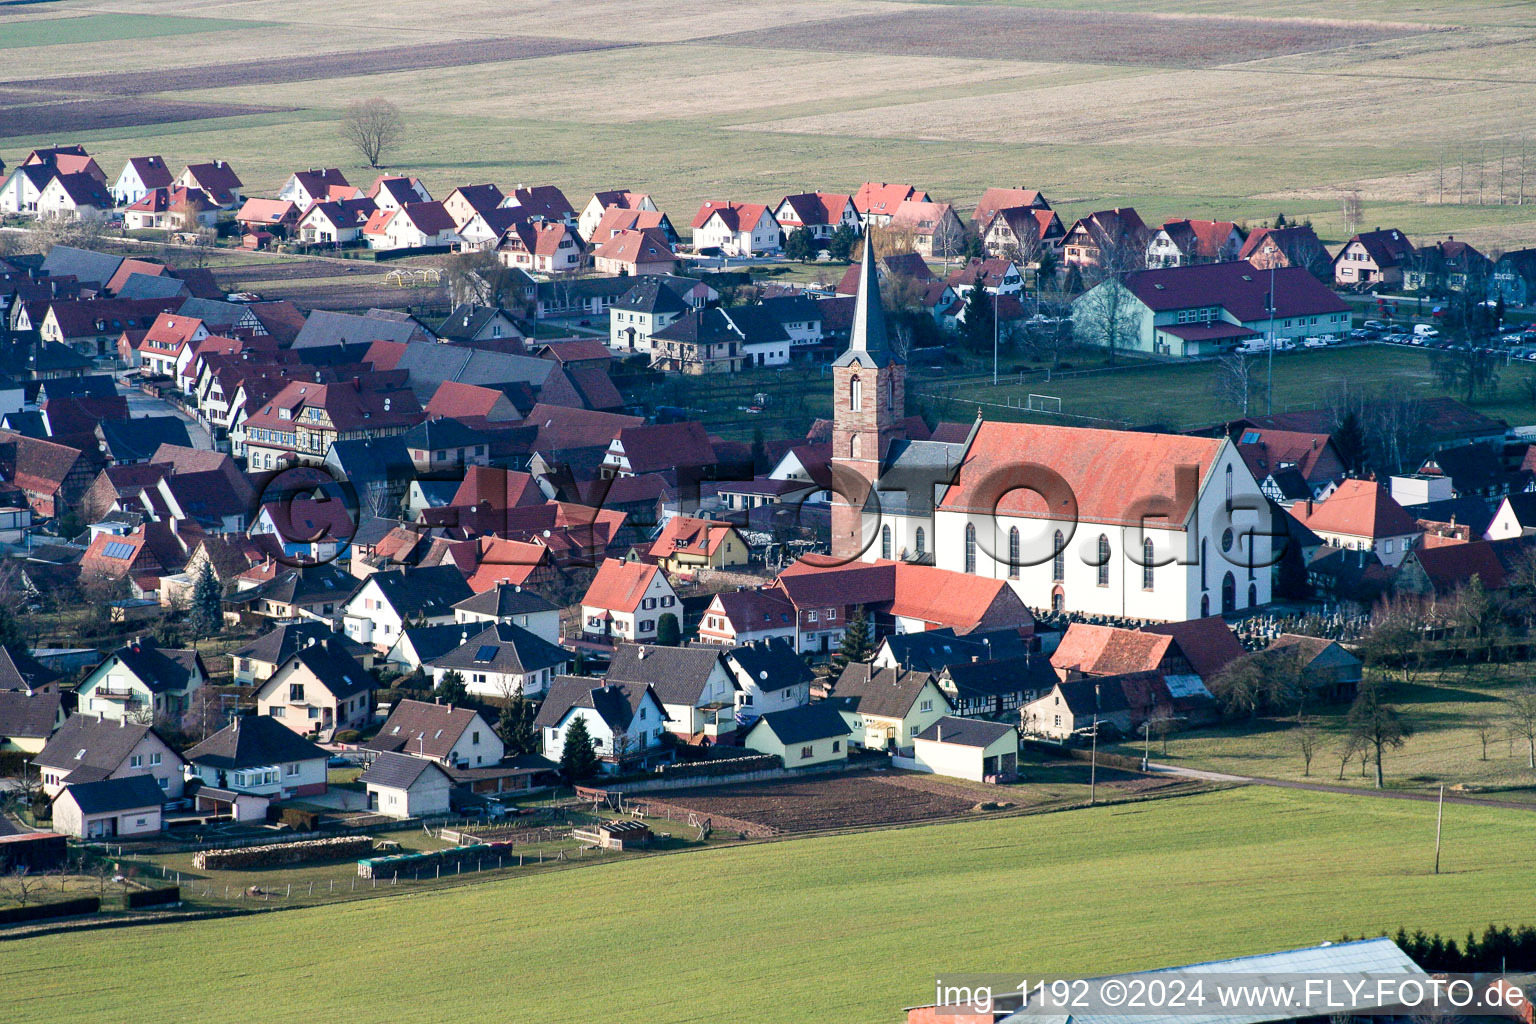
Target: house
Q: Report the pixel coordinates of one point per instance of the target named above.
(1295, 246)
(713, 341)
(412, 226)
(142, 682)
(802, 737)
(1277, 457)
(256, 756)
(769, 676)
(819, 213)
(1513, 278)
(1475, 471)
(876, 201)
(602, 202)
(470, 322)
(319, 690)
(140, 176)
(1116, 704)
(513, 605)
(1514, 518)
(501, 660)
(1106, 242)
(380, 608)
(996, 200)
(256, 661)
(695, 688)
(218, 179)
(453, 737)
(109, 807)
(1179, 243)
(28, 717)
(625, 722)
(306, 188)
(687, 544)
(932, 650)
(22, 190)
(747, 616)
(966, 748)
(997, 687)
(275, 592)
(736, 229)
(171, 209)
(52, 477)
(887, 707)
(625, 600)
(392, 191)
(74, 197)
(1441, 570)
(634, 254)
(1448, 266)
(616, 219)
(995, 275)
(465, 201)
(934, 228)
(338, 222)
(405, 786)
(1373, 258)
(301, 422)
(1361, 515)
(541, 202)
(1207, 309)
(1021, 234)
(542, 247)
(304, 529)
(89, 748)
(1329, 670)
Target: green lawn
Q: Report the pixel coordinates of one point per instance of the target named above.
(1446, 710)
(846, 928)
(95, 28)
(1183, 395)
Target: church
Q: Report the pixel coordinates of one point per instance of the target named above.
(1125, 524)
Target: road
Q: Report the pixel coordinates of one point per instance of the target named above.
(1323, 787)
(140, 404)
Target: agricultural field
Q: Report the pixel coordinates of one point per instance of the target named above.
(1162, 882)
(1462, 739)
(1191, 108)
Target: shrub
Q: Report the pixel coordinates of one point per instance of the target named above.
(153, 897)
(39, 911)
(348, 736)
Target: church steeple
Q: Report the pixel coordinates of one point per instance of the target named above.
(868, 343)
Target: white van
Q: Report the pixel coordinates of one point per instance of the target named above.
(1425, 331)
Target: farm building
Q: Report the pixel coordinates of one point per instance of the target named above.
(615, 835)
(967, 748)
(402, 786)
(801, 737)
(109, 807)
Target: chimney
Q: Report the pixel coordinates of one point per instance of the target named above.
(939, 730)
(122, 723)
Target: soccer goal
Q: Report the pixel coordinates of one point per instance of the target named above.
(1044, 403)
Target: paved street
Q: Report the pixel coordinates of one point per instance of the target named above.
(140, 404)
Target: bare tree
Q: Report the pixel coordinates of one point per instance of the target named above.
(20, 885)
(1108, 316)
(79, 232)
(1485, 729)
(1353, 209)
(480, 278)
(1347, 752)
(1237, 380)
(1522, 714)
(373, 127)
(1466, 369)
(1306, 741)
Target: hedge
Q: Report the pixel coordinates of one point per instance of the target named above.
(42, 911)
(153, 897)
(272, 854)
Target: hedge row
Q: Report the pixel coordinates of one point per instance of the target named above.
(42, 911)
(411, 863)
(273, 854)
(154, 897)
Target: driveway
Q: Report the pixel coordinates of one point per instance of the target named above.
(340, 799)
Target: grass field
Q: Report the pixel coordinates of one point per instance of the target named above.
(1446, 710)
(841, 928)
(1191, 108)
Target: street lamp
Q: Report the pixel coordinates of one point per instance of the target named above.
(995, 297)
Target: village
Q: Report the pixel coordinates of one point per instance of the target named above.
(433, 594)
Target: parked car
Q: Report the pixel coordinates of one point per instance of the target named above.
(1315, 343)
(1374, 325)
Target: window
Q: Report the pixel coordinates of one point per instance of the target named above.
(926, 705)
(837, 745)
(648, 625)
(1226, 540)
(154, 760)
(277, 711)
(805, 752)
(1058, 721)
(856, 395)
(1013, 553)
(295, 691)
(1103, 562)
(291, 769)
(920, 541)
(1059, 559)
(1146, 564)
(474, 737)
(885, 542)
(136, 761)
(1205, 547)
(970, 547)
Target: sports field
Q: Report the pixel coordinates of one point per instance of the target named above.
(848, 928)
(1179, 107)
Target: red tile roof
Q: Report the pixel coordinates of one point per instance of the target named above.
(635, 248)
(735, 216)
(996, 200)
(881, 199)
(1111, 473)
(349, 407)
(1208, 644)
(1359, 508)
(619, 586)
(814, 209)
(621, 218)
(496, 488)
(687, 535)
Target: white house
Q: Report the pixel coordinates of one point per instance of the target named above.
(141, 682)
(109, 807)
(967, 748)
(769, 676)
(377, 610)
(625, 601)
(695, 688)
(140, 176)
(453, 737)
(22, 190)
(259, 756)
(405, 786)
(87, 748)
(601, 202)
(514, 605)
(74, 196)
(625, 722)
(412, 226)
(737, 229)
(497, 659)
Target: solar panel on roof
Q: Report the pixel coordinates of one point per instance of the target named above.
(118, 549)
(487, 652)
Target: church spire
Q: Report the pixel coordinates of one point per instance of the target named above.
(868, 342)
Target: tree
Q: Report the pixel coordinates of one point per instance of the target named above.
(800, 246)
(480, 278)
(1237, 380)
(515, 726)
(451, 688)
(1376, 725)
(577, 758)
(373, 127)
(840, 245)
(1485, 728)
(80, 232)
(207, 611)
(668, 633)
(1108, 316)
(1347, 751)
(857, 645)
(1306, 741)
(1522, 715)
(1353, 209)
(980, 318)
(1265, 681)
(20, 885)
(1466, 368)
(1046, 266)
(1396, 637)
(1349, 440)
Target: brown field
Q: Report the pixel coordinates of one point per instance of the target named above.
(95, 115)
(1017, 33)
(827, 801)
